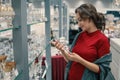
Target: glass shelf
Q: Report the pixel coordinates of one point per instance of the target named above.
(18, 76)
(35, 23)
(20, 73)
(38, 55)
(3, 30)
(6, 29)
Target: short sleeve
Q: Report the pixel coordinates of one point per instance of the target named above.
(103, 47)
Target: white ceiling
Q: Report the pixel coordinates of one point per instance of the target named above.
(76, 3)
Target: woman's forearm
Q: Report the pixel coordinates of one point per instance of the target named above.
(91, 66)
(65, 58)
(65, 55)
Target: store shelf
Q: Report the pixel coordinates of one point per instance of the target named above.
(20, 36)
(115, 43)
(20, 44)
(29, 65)
(6, 29)
(29, 25)
(3, 30)
(115, 50)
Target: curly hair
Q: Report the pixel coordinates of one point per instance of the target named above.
(88, 11)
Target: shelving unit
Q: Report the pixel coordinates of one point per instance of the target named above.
(65, 22)
(115, 49)
(20, 45)
(20, 39)
(21, 30)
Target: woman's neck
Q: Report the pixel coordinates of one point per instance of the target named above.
(92, 29)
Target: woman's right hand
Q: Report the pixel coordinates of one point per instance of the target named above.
(58, 45)
(61, 47)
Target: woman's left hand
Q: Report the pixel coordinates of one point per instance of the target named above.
(74, 57)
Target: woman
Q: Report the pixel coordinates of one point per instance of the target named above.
(90, 52)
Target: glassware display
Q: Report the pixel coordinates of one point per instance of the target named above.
(6, 48)
(36, 49)
(117, 29)
(2, 60)
(34, 14)
(6, 14)
(116, 3)
(55, 20)
(7, 64)
(7, 69)
(112, 26)
(36, 43)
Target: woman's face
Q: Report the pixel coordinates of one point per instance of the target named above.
(84, 24)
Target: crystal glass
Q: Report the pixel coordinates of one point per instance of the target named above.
(35, 47)
(6, 14)
(8, 69)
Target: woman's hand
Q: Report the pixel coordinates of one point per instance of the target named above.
(91, 66)
(61, 47)
(74, 57)
(58, 45)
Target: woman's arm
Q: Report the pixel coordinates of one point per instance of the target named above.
(60, 47)
(74, 57)
(91, 66)
(65, 55)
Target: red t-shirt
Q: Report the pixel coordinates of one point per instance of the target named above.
(89, 46)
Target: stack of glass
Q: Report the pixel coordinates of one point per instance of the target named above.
(6, 14)
(7, 64)
(36, 47)
(34, 14)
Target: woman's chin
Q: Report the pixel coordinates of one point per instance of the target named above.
(83, 29)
